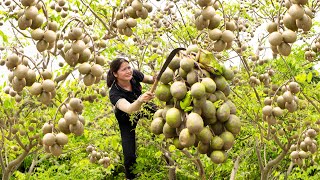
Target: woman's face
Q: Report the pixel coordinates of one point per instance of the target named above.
(124, 73)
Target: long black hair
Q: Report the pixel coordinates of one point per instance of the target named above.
(114, 67)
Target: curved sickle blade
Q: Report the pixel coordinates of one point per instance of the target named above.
(165, 65)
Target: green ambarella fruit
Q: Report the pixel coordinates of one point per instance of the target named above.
(217, 128)
(223, 112)
(187, 64)
(178, 90)
(221, 82)
(168, 131)
(167, 76)
(208, 110)
(186, 138)
(198, 90)
(233, 124)
(163, 92)
(217, 157)
(228, 140)
(209, 84)
(173, 117)
(216, 143)
(194, 123)
(177, 143)
(203, 148)
(205, 135)
(157, 125)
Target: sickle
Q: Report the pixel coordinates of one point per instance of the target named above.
(165, 65)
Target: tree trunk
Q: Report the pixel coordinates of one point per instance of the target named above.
(8, 170)
(172, 173)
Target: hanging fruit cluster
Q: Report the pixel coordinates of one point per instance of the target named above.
(305, 147)
(287, 100)
(72, 121)
(60, 6)
(20, 75)
(126, 18)
(29, 16)
(96, 156)
(207, 17)
(197, 112)
(46, 89)
(297, 17)
(53, 143)
(45, 39)
(311, 53)
(76, 51)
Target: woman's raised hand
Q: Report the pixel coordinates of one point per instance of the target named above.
(145, 97)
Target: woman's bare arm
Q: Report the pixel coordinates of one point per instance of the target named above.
(128, 107)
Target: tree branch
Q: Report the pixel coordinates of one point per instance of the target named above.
(196, 162)
(258, 152)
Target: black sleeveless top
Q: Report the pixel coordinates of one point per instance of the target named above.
(116, 93)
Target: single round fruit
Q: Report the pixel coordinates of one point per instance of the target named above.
(198, 90)
(228, 140)
(49, 139)
(173, 117)
(186, 138)
(209, 84)
(156, 126)
(233, 124)
(194, 123)
(217, 157)
(61, 139)
(223, 112)
(178, 90)
(163, 92)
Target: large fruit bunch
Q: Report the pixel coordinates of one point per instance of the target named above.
(197, 110)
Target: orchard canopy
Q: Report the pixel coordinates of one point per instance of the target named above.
(241, 102)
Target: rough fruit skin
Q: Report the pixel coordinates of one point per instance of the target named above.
(194, 123)
(71, 117)
(48, 85)
(216, 143)
(223, 112)
(61, 139)
(205, 135)
(178, 90)
(217, 157)
(228, 140)
(221, 82)
(209, 84)
(233, 124)
(186, 138)
(168, 131)
(167, 76)
(198, 90)
(49, 139)
(157, 125)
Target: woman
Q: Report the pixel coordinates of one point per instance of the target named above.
(125, 94)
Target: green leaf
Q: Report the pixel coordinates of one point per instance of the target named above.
(186, 101)
(4, 36)
(301, 78)
(218, 103)
(158, 154)
(309, 77)
(172, 148)
(189, 108)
